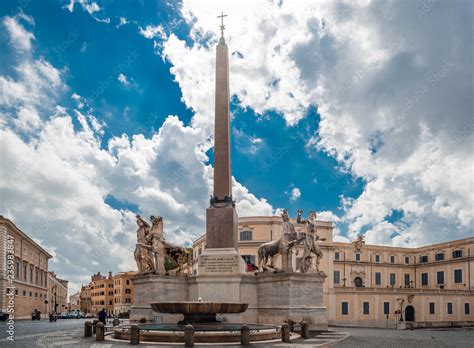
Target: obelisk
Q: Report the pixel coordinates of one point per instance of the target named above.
(221, 217)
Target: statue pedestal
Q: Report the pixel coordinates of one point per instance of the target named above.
(221, 226)
(295, 296)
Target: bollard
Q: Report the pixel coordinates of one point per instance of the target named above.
(134, 335)
(99, 332)
(116, 322)
(285, 333)
(94, 324)
(244, 335)
(189, 336)
(87, 329)
(304, 329)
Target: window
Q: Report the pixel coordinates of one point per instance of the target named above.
(357, 257)
(246, 235)
(439, 257)
(110, 303)
(31, 294)
(450, 308)
(358, 282)
(345, 308)
(424, 278)
(458, 276)
(378, 278)
(440, 277)
(392, 279)
(386, 308)
(17, 270)
(16, 292)
(127, 282)
(366, 308)
(37, 277)
(111, 285)
(377, 258)
(111, 293)
(392, 259)
(466, 309)
(128, 291)
(31, 274)
(407, 260)
(407, 279)
(127, 300)
(457, 254)
(424, 259)
(432, 308)
(24, 272)
(336, 255)
(24, 293)
(337, 277)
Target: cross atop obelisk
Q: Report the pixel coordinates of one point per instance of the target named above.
(221, 228)
(222, 23)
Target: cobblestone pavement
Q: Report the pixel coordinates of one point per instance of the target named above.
(433, 338)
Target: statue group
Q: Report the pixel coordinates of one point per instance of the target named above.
(283, 246)
(152, 248)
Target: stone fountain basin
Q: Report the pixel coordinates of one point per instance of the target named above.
(195, 307)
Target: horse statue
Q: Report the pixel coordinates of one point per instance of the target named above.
(281, 246)
(162, 248)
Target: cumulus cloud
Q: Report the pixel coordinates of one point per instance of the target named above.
(151, 32)
(20, 38)
(295, 194)
(123, 79)
(392, 88)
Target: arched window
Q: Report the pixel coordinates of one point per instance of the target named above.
(358, 282)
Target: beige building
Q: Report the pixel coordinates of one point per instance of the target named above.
(75, 302)
(123, 292)
(367, 285)
(57, 294)
(25, 273)
(86, 299)
(114, 293)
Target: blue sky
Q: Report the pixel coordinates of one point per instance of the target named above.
(360, 112)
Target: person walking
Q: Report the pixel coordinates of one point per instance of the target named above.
(102, 316)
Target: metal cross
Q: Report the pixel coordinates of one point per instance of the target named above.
(222, 23)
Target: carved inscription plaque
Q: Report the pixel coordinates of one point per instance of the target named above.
(214, 264)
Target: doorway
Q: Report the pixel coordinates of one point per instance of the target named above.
(409, 313)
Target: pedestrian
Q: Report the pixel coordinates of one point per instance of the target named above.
(102, 316)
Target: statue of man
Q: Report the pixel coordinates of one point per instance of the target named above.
(142, 248)
(289, 240)
(158, 243)
(310, 245)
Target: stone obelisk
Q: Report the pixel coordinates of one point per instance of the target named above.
(221, 217)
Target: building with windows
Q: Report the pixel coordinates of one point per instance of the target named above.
(57, 294)
(373, 285)
(123, 292)
(86, 299)
(30, 271)
(114, 293)
(75, 302)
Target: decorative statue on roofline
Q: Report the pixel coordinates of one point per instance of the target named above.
(283, 246)
(312, 252)
(152, 248)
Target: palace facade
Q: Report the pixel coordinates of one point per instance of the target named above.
(30, 267)
(57, 290)
(373, 285)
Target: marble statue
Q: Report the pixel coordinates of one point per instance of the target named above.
(282, 246)
(142, 252)
(161, 248)
(311, 248)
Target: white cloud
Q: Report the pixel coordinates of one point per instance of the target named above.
(295, 194)
(392, 88)
(122, 21)
(20, 38)
(123, 79)
(151, 32)
(87, 5)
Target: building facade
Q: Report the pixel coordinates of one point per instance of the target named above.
(57, 294)
(123, 292)
(114, 293)
(86, 299)
(30, 271)
(373, 285)
(75, 302)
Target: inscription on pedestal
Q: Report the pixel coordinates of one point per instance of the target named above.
(213, 264)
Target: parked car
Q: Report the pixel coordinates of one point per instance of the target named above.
(62, 315)
(89, 315)
(73, 315)
(3, 316)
